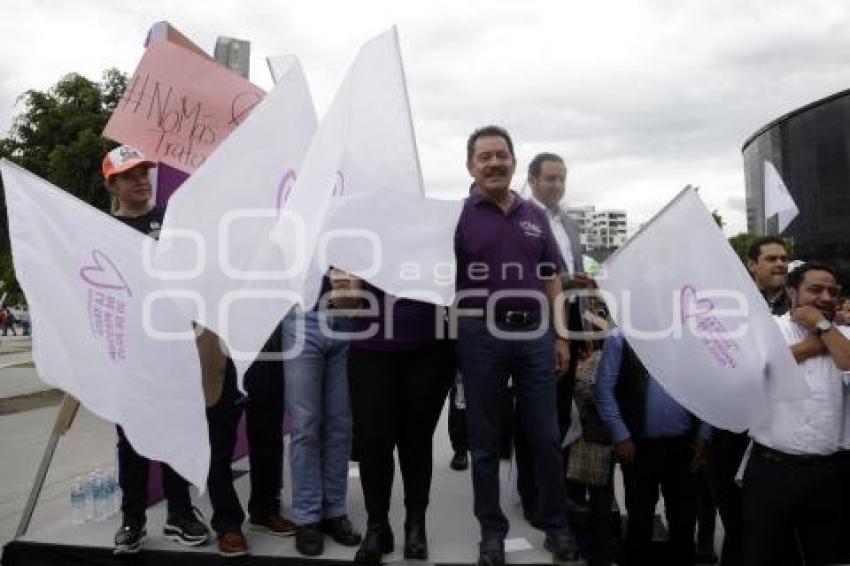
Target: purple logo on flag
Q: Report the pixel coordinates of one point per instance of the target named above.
(103, 274)
(107, 308)
(709, 328)
(284, 188)
(339, 184)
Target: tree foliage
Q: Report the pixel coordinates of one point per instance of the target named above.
(57, 136)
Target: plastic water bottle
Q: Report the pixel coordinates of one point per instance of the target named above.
(90, 487)
(101, 497)
(112, 489)
(78, 502)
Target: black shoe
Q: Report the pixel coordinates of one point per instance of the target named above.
(415, 540)
(562, 546)
(341, 531)
(309, 539)
(128, 539)
(377, 542)
(460, 461)
(186, 528)
(491, 552)
(706, 556)
(529, 516)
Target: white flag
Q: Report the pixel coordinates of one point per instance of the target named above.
(95, 313)
(365, 144)
(215, 247)
(402, 243)
(777, 199)
(696, 320)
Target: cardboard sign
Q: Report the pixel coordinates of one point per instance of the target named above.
(179, 106)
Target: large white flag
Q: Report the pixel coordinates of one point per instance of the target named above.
(215, 248)
(777, 199)
(365, 144)
(402, 243)
(694, 317)
(96, 318)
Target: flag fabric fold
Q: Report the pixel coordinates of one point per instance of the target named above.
(365, 144)
(215, 244)
(696, 320)
(98, 323)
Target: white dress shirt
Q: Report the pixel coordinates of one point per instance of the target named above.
(560, 233)
(813, 425)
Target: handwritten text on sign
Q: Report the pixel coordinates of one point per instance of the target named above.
(179, 106)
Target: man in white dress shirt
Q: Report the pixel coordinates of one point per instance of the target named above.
(547, 178)
(794, 481)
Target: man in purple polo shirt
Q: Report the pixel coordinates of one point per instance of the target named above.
(507, 282)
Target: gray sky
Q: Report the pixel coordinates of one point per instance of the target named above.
(641, 97)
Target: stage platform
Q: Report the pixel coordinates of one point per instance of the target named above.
(453, 532)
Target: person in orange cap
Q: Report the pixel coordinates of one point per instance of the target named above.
(125, 170)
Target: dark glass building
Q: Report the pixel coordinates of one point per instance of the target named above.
(810, 148)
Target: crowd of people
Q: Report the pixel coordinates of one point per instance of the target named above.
(365, 384)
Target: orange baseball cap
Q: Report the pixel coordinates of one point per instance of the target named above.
(123, 158)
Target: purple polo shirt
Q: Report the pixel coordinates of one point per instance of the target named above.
(497, 251)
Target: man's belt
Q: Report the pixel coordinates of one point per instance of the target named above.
(517, 318)
(778, 456)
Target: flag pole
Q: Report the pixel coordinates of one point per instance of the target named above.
(63, 422)
(409, 112)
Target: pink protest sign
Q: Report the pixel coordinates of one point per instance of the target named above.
(179, 106)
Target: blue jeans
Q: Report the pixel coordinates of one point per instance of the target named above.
(486, 363)
(316, 388)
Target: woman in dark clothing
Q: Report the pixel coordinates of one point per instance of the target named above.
(399, 378)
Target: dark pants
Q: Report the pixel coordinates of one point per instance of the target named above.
(783, 497)
(724, 458)
(222, 419)
(133, 478)
(706, 514)
(264, 428)
(396, 401)
(486, 364)
(664, 463)
(457, 423)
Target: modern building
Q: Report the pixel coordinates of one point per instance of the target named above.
(600, 230)
(810, 148)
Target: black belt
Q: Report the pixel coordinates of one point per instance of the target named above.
(517, 318)
(778, 456)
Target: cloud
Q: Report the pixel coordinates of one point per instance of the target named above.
(640, 97)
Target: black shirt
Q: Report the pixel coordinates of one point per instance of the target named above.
(149, 223)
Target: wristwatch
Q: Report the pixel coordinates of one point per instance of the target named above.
(823, 326)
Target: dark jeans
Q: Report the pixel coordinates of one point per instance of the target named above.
(486, 364)
(664, 463)
(396, 401)
(781, 497)
(264, 428)
(222, 419)
(724, 458)
(133, 478)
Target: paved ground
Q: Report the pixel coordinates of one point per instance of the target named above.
(28, 407)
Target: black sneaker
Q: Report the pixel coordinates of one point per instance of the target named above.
(562, 546)
(128, 539)
(460, 461)
(309, 539)
(187, 528)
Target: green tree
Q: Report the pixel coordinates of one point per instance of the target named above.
(57, 137)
